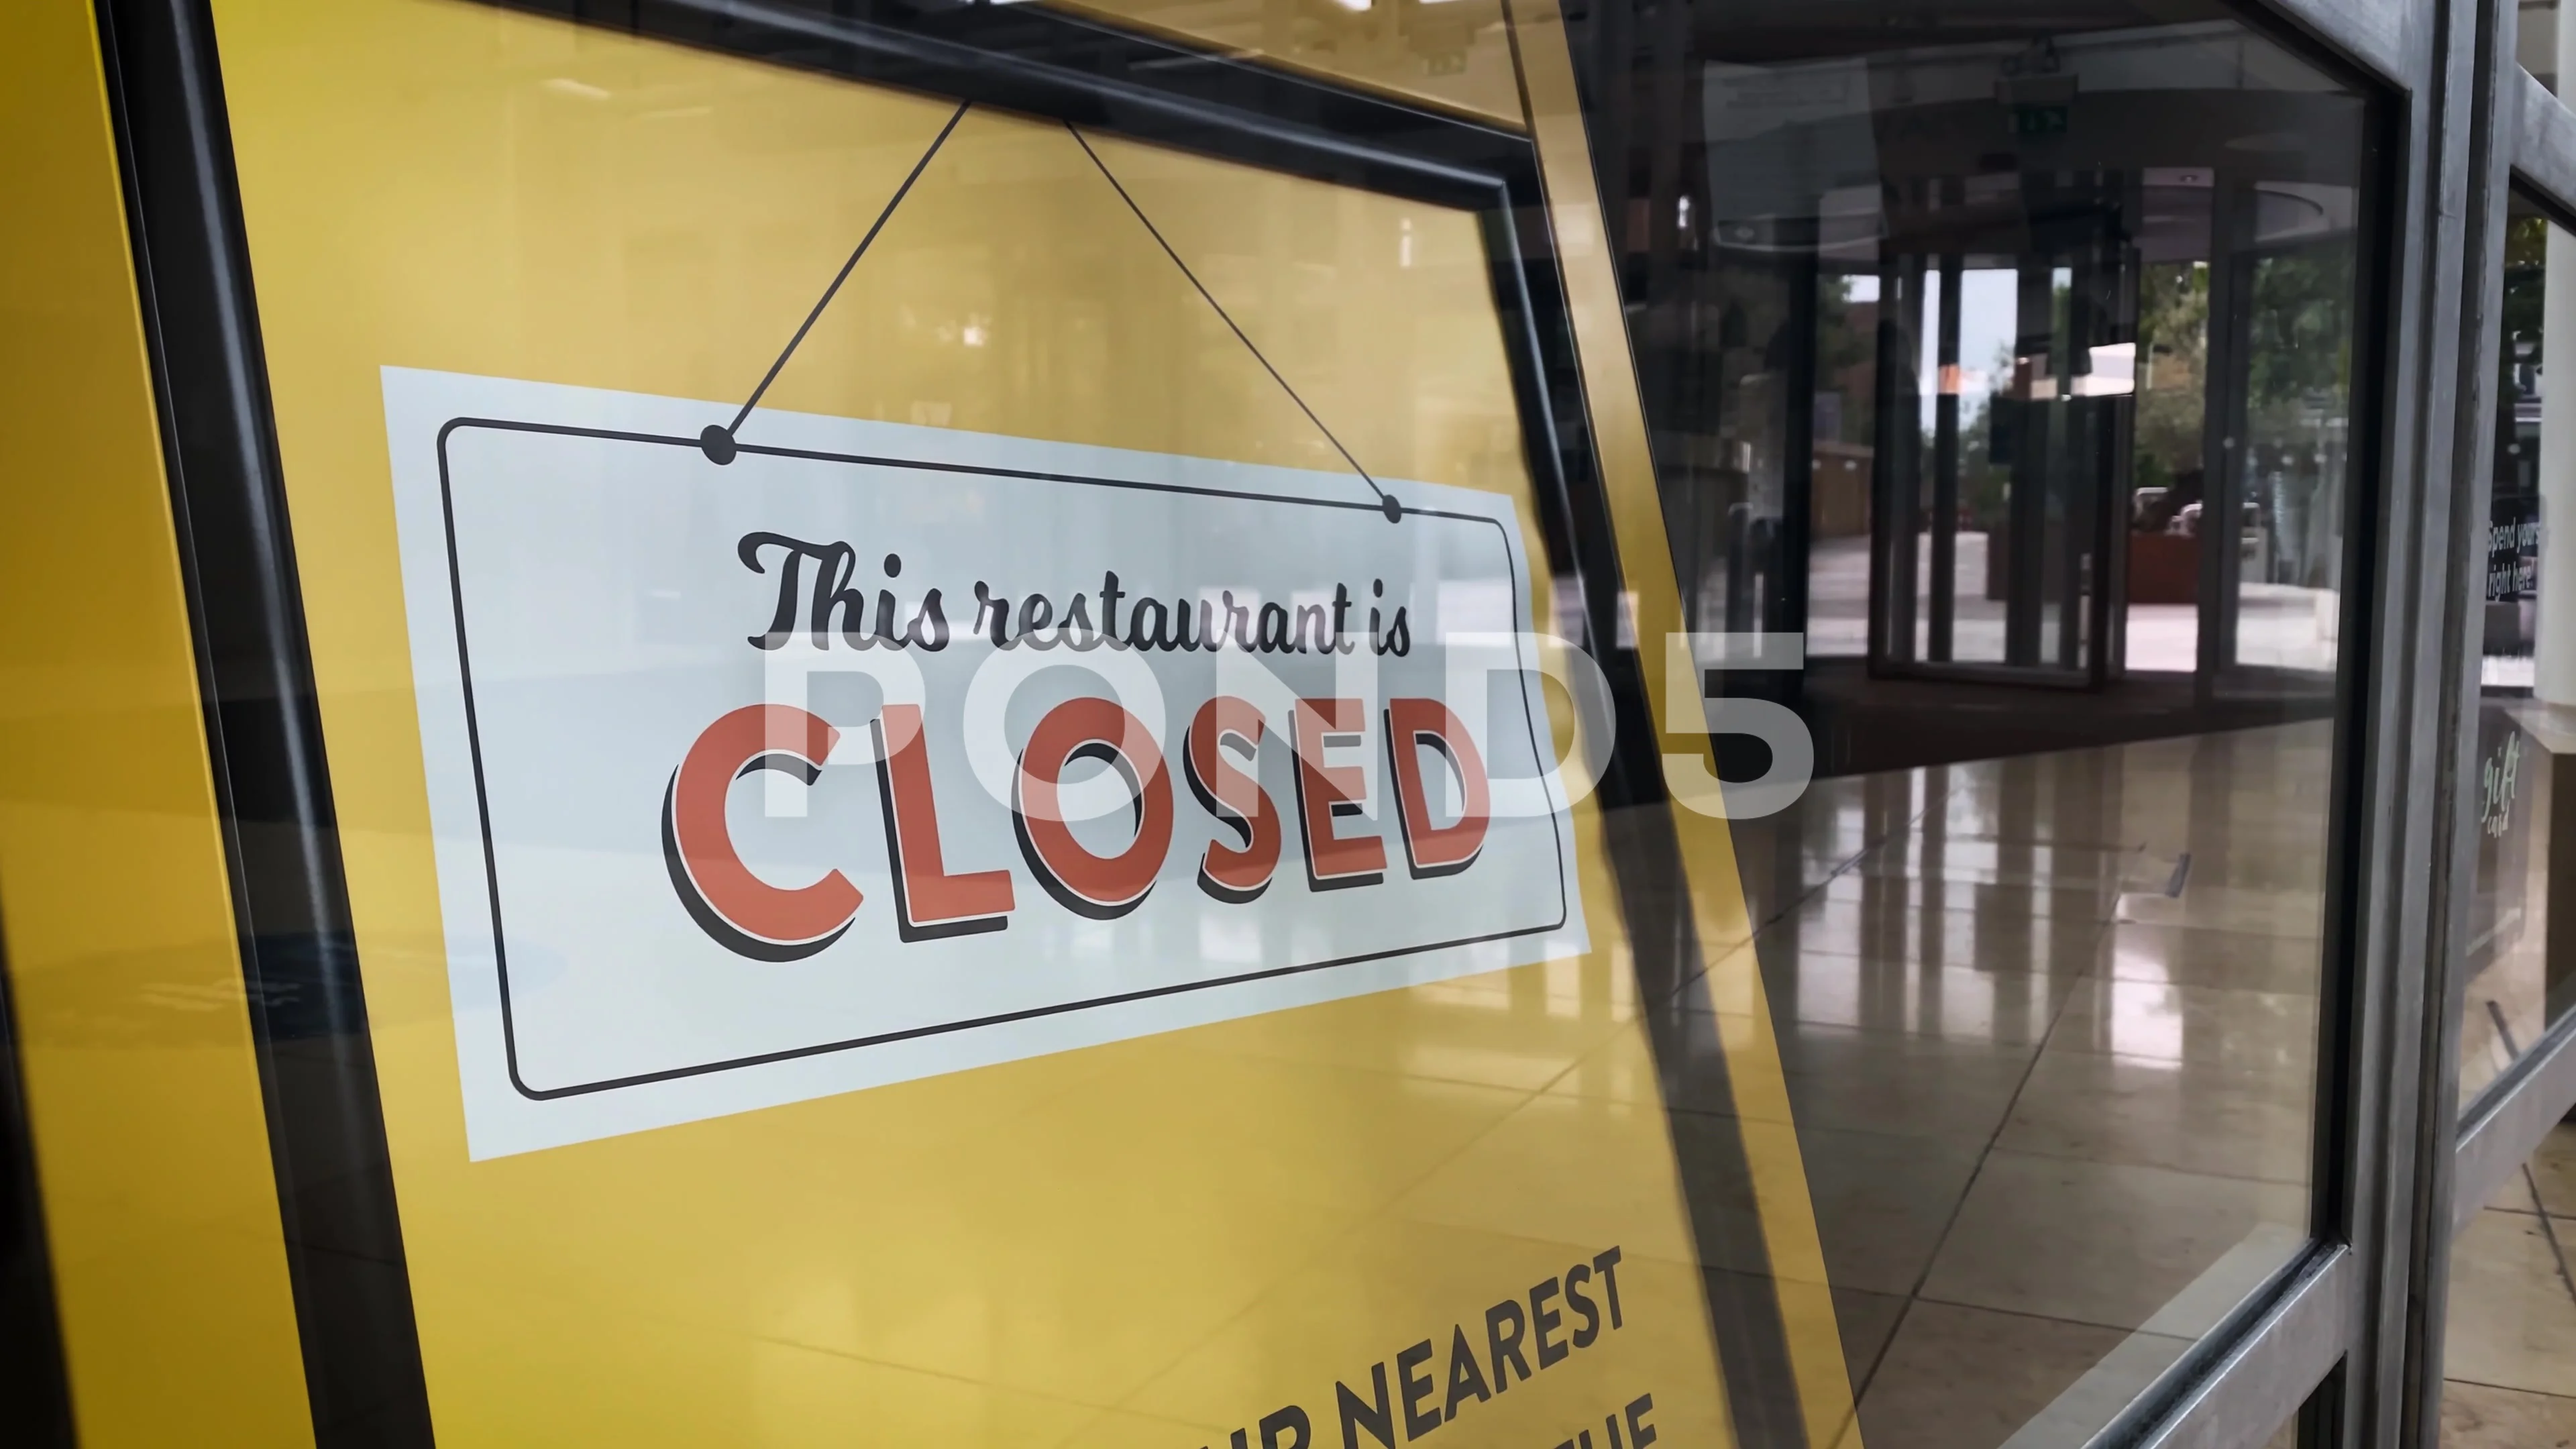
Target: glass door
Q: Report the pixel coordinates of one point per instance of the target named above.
(2008, 365)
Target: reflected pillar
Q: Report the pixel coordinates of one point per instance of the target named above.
(2225, 384)
(1945, 469)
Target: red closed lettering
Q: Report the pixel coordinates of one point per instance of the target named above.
(928, 901)
(1101, 887)
(1430, 850)
(1234, 796)
(742, 912)
(1326, 793)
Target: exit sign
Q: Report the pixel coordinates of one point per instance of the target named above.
(2039, 120)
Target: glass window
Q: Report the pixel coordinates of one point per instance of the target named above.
(2517, 984)
(1053, 723)
(2536, 39)
(2009, 381)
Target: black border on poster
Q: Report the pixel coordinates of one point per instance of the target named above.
(338, 1209)
(482, 796)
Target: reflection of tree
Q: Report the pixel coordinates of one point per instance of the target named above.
(2301, 342)
(2526, 252)
(1847, 354)
(2299, 380)
(2526, 258)
(1984, 484)
(2173, 346)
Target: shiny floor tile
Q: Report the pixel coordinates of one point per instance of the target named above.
(1893, 994)
(2251, 909)
(2086, 903)
(1899, 1082)
(2511, 1322)
(2259, 1031)
(1880, 1202)
(2096, 1242)
(2047, 1027)
(2194, 956)
(2554, 1168)
(2481, 1416)
(1868, 1323)
(2287, 856)
(2513, 1319)
(1967, 1378)
(1986, 861)
(2148, 1113)
(1992, 940)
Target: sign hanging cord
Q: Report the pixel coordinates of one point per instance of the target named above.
(1385, 501)
(718, 439)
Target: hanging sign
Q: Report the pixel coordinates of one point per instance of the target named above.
(859, 753)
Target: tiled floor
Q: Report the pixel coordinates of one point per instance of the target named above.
(2048, 1025)
(2511, 1351)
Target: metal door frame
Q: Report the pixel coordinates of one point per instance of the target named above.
(2478, 1145)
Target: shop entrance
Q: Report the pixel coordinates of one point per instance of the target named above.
(2010, 384)
(1994, 554)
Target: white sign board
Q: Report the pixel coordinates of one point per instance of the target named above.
(878, 752)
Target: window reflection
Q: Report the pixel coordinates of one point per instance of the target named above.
(2515, 989)
(2017, 374)
(1891, 318)
(2536, 39)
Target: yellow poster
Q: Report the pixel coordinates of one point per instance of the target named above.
(674, 440)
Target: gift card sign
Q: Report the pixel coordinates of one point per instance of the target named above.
(860, 753)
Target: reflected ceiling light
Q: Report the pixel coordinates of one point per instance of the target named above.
(567, 86)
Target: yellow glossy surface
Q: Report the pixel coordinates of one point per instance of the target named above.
(1452, 53)
(1152, 1242)
(152, 1149)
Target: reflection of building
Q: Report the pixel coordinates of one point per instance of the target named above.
(1995, 307)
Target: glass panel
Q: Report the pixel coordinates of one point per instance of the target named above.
(2536, 40)
(2042, 943)
(1449, 52)
(2518, 984)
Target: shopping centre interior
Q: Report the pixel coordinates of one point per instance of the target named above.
(2009, 360)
